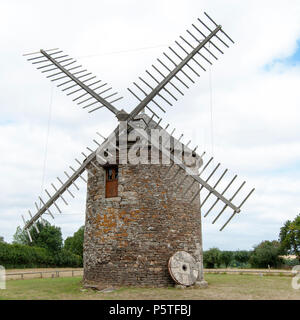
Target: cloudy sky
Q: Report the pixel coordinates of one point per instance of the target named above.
(244, 110)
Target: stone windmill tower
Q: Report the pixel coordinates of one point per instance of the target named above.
(142, 210)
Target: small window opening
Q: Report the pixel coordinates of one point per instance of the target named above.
(111, 183)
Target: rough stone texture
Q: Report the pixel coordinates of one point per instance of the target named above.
(129, 239)
(201, 284)
(183, 268)
(179, 286)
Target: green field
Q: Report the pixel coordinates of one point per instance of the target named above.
(221, 286)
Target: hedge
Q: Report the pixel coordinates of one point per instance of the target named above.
(22, 256)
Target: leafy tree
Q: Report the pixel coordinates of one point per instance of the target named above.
(74, 244)
(2, 240)
(20, 237)
(265, 254)
(226, 258)
(289, 237)
(242, 256)
(49, 237)
(212, 258)
(65, 258)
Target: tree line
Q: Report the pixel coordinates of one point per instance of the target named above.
(48, 249)
(264, 255)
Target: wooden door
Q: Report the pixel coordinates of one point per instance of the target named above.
(111, 185)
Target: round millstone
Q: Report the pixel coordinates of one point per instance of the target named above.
(183, 268)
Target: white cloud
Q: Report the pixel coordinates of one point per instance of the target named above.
(255, 109)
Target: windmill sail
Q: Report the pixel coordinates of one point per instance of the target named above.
(203, 183)
(72, 78)
(189, 56)
(59, 191)
(185, 66)
(192, 56)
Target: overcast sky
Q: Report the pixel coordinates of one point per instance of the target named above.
(244, 111)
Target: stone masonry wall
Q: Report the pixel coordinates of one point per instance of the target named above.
(129, 239)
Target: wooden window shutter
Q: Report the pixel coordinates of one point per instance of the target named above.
(111, 183)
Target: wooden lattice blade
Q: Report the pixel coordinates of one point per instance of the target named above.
(196, 178)
(75, 81)
(181, 65)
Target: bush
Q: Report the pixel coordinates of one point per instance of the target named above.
(74, 244)
(65, 258)
(242, 256)
(241, 259)
(290, 262)
(265, 254)
(226, 258)
(212, 258)
(23, 256)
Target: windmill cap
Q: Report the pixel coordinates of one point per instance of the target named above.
(122, 115)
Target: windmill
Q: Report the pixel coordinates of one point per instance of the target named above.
(138, 215)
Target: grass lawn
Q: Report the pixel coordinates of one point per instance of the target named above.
(221, 286)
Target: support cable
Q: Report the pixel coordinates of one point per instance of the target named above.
(47, 142)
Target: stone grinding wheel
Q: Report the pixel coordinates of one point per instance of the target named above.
(183, 268)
